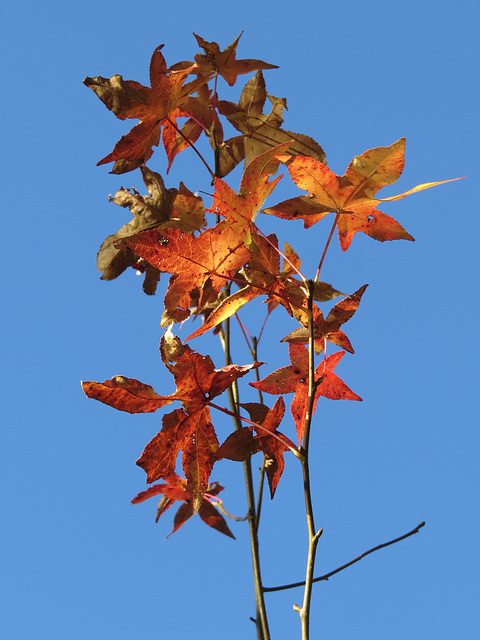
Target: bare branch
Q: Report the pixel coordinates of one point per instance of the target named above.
(348, 564)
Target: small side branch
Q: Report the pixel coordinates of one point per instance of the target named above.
(348, 564)
(219, 504)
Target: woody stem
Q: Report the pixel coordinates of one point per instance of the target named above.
(313, 536)
(261, 620)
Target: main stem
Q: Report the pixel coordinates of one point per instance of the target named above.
(313, 536)
(261, 620)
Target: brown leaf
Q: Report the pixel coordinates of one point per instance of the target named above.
(223, 62)
(260, 131)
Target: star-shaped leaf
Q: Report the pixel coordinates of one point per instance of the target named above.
(210, 258)
(212, 60)
(241, 209)
(241, 444)
(189, 429)
(328, 328)
(294, 379)
(175, 489)
(351, 196)
(260, 131)
(151, 105)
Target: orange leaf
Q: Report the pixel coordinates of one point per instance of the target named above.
(241, 210)
(151, 105)
(211, 258)
(351, 196)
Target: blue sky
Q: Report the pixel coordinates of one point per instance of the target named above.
(78, 559)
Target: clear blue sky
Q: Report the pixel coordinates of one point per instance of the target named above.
(78, 560)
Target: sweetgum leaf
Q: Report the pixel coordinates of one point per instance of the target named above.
(294, 379)
(210, 258)
(241, 209)
(175, 489)
(126, 394)
(224, 62)
(189, 429)
(151, 105)
(351, 196)
(260, 131)
(328, 329)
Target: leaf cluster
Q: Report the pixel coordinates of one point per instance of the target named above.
(218, 260)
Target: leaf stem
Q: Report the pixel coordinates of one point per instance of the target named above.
(327, 244)
(212, 175)
(280, 252)
(219, 505)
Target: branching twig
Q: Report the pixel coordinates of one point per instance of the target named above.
(348, 564)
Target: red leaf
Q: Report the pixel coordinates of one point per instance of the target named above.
(159, 458)
(176, 489)
(198, 456)
(329, 328)
(239, 446)
(189, 430)
(212, 517)
(272, 448)
(294, 379)
(126, 394)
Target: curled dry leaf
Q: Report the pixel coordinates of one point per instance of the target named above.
(166, 208)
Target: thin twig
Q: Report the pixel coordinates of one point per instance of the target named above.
(348, 564)
(219, 504)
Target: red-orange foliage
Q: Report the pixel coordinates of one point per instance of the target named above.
(168, 234)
